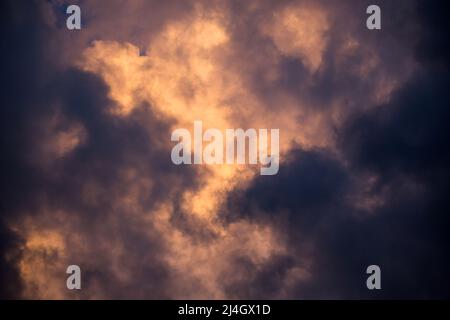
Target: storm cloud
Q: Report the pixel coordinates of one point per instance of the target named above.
(85, 145)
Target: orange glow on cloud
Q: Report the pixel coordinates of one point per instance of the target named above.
(187, 73)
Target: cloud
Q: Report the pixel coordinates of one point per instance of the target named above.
(85, 162)
(395, 162)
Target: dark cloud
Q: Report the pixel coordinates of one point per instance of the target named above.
(22, 32)
(433, 47)
(11, 285)
(404, 144)
(35, 89)
(314, 201)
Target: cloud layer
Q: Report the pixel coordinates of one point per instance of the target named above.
(87, 178)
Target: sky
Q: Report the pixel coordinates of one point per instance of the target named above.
(87, 179)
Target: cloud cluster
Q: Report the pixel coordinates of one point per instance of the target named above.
(85, 137)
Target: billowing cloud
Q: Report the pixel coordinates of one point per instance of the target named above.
(87, 177)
